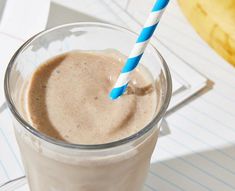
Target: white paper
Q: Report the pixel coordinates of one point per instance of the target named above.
(24, 18)
(19, 20)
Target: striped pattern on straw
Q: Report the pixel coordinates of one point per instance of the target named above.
(138, 49)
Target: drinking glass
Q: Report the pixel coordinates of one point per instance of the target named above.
(54, 165)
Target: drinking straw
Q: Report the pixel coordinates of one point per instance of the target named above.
(138, 49)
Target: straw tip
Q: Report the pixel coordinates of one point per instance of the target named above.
(117, 92)
(113, 95)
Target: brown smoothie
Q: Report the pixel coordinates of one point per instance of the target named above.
(68, 99)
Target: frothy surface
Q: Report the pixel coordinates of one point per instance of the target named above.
(68, 99)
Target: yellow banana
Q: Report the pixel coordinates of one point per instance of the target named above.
(214, 20)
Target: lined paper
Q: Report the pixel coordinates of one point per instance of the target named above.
(198, 152)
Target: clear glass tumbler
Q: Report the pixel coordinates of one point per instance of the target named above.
(53, 165)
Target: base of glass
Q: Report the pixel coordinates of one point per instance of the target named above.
(21, 184)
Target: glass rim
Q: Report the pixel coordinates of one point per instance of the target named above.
(54, 141)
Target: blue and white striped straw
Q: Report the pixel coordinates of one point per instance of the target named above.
(139, 47)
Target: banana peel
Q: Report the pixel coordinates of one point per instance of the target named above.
(214, 20)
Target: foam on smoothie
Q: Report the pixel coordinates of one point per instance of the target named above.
(67, 98)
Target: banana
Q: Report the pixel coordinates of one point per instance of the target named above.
(214, 20)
